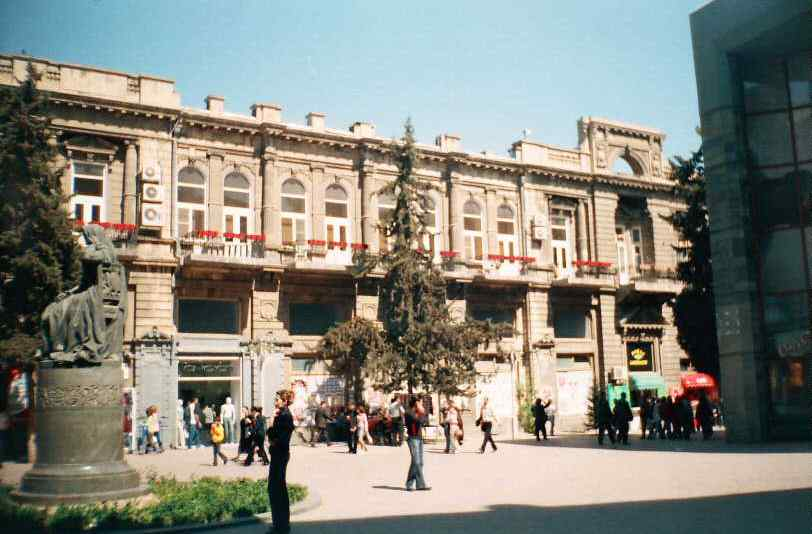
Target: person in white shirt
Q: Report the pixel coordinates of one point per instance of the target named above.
(396, 413)
(452, 428)
(227, 417)
(180, 430)
(486, 420)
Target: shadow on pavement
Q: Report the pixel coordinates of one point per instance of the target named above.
(715, 445)
(393, 488)
(764, 513)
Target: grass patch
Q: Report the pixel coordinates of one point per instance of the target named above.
(203, 500)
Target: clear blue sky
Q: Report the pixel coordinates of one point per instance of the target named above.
(484, 70)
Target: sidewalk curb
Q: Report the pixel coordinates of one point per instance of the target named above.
(311, 502)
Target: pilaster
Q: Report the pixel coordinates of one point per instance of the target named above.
(130, 193)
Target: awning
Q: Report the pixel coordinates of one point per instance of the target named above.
(643, 381)
(698, 381)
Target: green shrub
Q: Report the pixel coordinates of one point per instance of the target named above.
(204, 500)
(527, 420)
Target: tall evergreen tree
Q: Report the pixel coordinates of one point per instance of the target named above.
(39, 256)
(694, 310)
(426, 350)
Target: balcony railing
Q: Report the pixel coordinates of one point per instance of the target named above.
(650, 273)
(227, 246)
(122, 235)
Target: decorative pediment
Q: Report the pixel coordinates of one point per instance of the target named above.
(91, 147)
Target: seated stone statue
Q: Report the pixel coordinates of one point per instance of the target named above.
(86, 323)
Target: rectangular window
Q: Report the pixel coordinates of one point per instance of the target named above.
(495, 315)
(191, 195)
(571, 323)
(334, 209)
(201, 316)
(88, 191)
(504, 228)
(312, 319)
(229, 224)
(293, 205)
(88, 186)
(302, 365)
(472, 224)
(287, 230)
(235, 199)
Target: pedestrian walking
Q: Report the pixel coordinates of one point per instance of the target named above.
(322, 418)
(644, 415)
(654, 427)
(603, 419)
(415, 420)
(451, 422)
(208, 420)
(396, 413)
(623, 415)
(257, 439)
(192, 420)
(245, 424)
(485, 421)
(540, 419)
(352, 425)
(218, 436)
(686, 415)
(551, 410)
(180, 427)
(279, 436)
(704, 412)
(153, 431)
(363, 428)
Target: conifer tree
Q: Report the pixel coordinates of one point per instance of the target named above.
(39, 256)
(694, 310)
(426, 349)
(346, 348)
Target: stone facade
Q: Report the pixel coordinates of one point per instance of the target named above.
(247, 227)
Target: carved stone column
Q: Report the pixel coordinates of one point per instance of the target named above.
(215, 192)
(317, 186)
(368, 233)
(270, 210)
(583, 243)
(489, 221)
(130, 170)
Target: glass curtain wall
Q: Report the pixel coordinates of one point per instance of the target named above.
(777, 97)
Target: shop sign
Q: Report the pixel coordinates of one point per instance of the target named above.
(206, 369)
(639, 356)
(793, 344)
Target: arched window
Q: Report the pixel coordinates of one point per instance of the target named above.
(337, 222)
(236, 204)
(294, 212)
(191, 202)
(472, 230)
(386, 206)
(506, 231)
(430, 226)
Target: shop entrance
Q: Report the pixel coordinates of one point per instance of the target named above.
(210, 379)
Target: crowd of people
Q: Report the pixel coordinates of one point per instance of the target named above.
(663, 418)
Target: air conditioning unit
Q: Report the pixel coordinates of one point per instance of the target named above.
(539, 227)
(151, 172)
(152, 215)
(152, 192)
(619, 374)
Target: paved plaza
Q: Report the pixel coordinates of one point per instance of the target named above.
(568, 484)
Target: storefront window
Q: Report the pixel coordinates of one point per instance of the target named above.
(495, 315)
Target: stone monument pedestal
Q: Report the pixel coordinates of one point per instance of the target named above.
(80, 453)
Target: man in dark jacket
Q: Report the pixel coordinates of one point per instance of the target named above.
(603, 419)
(320, 433)
(540, 418)
(279, 436)
(623, 415)
(257, 441)
(352, 425)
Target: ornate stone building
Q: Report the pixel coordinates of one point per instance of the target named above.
(245, 227)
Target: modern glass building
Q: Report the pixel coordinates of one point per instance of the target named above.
(754, 78)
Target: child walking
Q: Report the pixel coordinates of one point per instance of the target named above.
(218, 434)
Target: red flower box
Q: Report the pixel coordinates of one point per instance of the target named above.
(207, 234)
(449, 254)
(289, 243)
(527, 259)
(316, 242)
(337, 244)
(597, 264)
(359, 246)
(256, 237)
